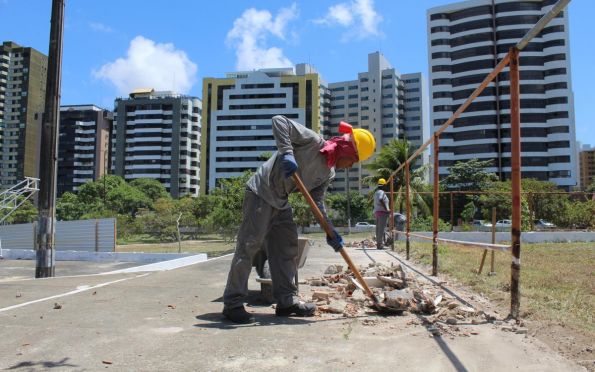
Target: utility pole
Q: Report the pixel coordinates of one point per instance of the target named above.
(46, 225)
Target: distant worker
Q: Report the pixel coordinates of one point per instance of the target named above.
(268, 218)
(381, 212)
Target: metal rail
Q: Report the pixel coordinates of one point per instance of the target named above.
(11, 199)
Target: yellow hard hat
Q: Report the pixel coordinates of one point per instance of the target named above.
(365, 143)
(381, 182)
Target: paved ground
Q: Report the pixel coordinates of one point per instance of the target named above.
(170, 320)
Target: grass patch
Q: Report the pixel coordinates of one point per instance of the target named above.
(213, 248)
(557, 279)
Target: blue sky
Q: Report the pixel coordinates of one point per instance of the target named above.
(105, 42)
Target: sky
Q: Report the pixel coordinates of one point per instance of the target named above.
(106, 42)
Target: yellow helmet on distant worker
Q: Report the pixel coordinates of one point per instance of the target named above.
(381, 182)
(365, 143)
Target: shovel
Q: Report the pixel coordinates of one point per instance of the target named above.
(378, 305)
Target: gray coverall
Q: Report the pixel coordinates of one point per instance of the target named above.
(267, 215)
(381, 205)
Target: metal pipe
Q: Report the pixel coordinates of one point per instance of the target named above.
(488, 79)
(540, 25)
(408, 209)
(436, 206)
(392, 213)
(515, 138)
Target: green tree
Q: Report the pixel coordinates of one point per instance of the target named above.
(151, 187)
(161, 222)
(302, 214)
(469, 212)
(25, 213)
(126, 199)
(226, 215)
(579, 215)
(391, 156)
(591, 187)
(69, 207)
(94, 194)
(360, 207)
(469, 175)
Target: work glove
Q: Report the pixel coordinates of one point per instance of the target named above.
(289, 165)
(336, 242)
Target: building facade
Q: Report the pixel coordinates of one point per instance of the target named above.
(587, 167)
(157, 135)
(466, 40)
(83, 146)
(236, 124)
(23, 73)
(389, 104)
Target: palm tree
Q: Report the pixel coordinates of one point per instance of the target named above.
(391, 156)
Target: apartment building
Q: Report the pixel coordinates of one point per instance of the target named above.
(83, 146)
(23, 73)
(465, 41)
(587, 167)
(236, 125)
(389, 104)
(157, 135)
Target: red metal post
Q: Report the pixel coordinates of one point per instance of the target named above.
(436, 206)
(408, 209)
(515, 139)
(392, 213)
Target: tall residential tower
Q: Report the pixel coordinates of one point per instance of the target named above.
(389, 104)
(466, 41)
(157, 135)
(83, 147)
(23, 74)
(236, 124)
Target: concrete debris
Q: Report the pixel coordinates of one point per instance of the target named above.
(398, 299)
(320, 296)
(367, 243)
(337, 293)
(333, 269)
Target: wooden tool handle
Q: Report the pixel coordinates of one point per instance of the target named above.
(329, 231)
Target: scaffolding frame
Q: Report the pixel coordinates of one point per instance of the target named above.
(511, 59)
(11, 199)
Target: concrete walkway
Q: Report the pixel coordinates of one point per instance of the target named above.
(170, 321)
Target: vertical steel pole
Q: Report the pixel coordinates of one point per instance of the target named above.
(392, 213)
(492, 270)
(45, 257)
(515, 139)
(452, 213)
(408, 209)
(436, 207)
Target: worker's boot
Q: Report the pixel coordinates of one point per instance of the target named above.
(297, 309)
(238, 315)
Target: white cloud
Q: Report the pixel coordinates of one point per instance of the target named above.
(359, 16)
(250, 33)
(100, 27)
(150, 65)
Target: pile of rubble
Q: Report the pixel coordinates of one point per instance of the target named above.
(366, 243)
(337, 292)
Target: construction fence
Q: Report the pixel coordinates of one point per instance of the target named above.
(97, 235)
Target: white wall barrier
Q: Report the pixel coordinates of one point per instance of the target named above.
(97, 235)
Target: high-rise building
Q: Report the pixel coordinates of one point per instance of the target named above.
(236, 124)
(157, 135)
(389, 104)
(587, 167)
(466, 40)
(83, 146)
(23, 72)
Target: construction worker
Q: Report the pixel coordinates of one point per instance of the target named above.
(267, 215)
(381, 212)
